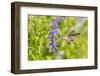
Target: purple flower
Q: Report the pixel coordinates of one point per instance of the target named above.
(52, 33)
(64, 17)
(59, 56)
(79, 20)
(55, 23)
(56, 20)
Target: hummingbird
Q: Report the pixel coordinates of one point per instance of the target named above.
(71, 35)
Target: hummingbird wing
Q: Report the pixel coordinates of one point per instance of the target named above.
(74, 34)
(70, 32)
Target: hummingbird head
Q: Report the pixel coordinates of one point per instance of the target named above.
(64, 37)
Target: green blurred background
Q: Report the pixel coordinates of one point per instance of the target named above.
(38, 40)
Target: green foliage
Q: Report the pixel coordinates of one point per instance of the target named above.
(38, 40)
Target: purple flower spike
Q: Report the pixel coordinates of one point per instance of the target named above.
(59, 56)
(52, 33)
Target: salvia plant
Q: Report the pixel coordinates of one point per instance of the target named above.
(52, 33)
